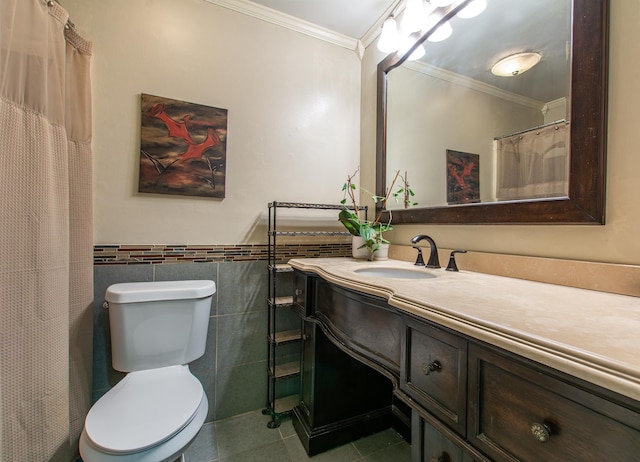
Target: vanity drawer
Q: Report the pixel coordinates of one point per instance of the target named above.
(434, 372)
(519, 413)
(428, 444)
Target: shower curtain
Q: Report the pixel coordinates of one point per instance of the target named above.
(533, 164)
(46, 281)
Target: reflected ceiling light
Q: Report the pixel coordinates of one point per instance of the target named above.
(441, 33)
(414, 17)
(417, 53)
(473, 9)
(515, 64)
(441, 2)
(389, 40)
(408, 43)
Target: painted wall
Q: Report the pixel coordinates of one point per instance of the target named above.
(617, 241)
(293, 127)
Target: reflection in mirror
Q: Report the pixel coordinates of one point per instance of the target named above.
(466, 135)
(485, 148)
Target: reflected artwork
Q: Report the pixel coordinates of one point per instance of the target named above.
(182, 148)
(463, 177)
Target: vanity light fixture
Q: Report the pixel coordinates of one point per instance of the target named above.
(515, 64)
(473, 9)
(420, 16)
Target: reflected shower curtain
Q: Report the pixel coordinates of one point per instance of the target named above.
(46, 282)
(534, 164)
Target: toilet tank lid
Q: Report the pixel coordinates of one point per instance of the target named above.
(132, 292)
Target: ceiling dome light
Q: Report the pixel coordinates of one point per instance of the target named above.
(414, 16)
(389, 40)
(473, 9)
(515, 64)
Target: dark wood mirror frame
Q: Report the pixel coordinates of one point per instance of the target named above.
(587, 171)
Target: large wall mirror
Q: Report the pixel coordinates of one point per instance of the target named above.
(525, 147)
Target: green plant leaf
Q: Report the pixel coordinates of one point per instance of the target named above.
(350, 221)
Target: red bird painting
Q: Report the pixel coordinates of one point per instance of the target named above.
(463, 177)
(182, 148)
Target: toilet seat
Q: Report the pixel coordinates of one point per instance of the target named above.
(144, 409)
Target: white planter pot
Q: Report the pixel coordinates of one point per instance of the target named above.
(382, 253)
(356, 251)
(363, 253)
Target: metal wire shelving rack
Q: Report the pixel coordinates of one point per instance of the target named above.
(280, 404)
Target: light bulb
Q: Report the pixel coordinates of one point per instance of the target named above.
(389, 40)
(414, 16)
(441, 2)
(417, 53)
(473, 9)
(441, 33)
(406, 44)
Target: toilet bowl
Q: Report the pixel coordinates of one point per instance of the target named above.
(149, 416)
(158, 408)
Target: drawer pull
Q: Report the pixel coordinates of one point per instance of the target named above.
(541, 432)
(429, 368)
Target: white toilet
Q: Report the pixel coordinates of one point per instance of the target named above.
(158, 408)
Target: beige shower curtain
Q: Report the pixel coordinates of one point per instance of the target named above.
(534, 164)
(46, 282)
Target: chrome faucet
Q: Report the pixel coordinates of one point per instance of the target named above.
(433, 262)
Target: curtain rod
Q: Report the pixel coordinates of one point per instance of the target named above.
(561, 121)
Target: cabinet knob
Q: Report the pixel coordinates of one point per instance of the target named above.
(299, 291)
(541, 432)
(429, 368)
(437, 459)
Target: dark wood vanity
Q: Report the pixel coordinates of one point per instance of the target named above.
(367, 365)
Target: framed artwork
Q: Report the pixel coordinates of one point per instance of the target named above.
(463, 177)
(182, 148)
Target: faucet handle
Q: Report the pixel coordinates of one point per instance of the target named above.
(419, 259)
(452, 260)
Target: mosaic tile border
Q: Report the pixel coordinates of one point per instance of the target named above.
(157, 254)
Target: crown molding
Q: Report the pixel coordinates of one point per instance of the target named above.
(269, 15)
(473, 84)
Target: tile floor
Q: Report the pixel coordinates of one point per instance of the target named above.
(246, 438)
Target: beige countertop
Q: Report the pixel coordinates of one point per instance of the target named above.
(591, 335)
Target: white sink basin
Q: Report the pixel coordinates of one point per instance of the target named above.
(395, 273)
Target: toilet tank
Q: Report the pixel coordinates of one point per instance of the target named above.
(158, 324)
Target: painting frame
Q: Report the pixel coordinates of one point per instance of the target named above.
(182, 148)
(463, 177)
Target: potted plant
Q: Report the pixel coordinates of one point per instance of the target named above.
(371, 231)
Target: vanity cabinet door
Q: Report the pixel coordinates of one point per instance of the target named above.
(434, 372)
(517, 412)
